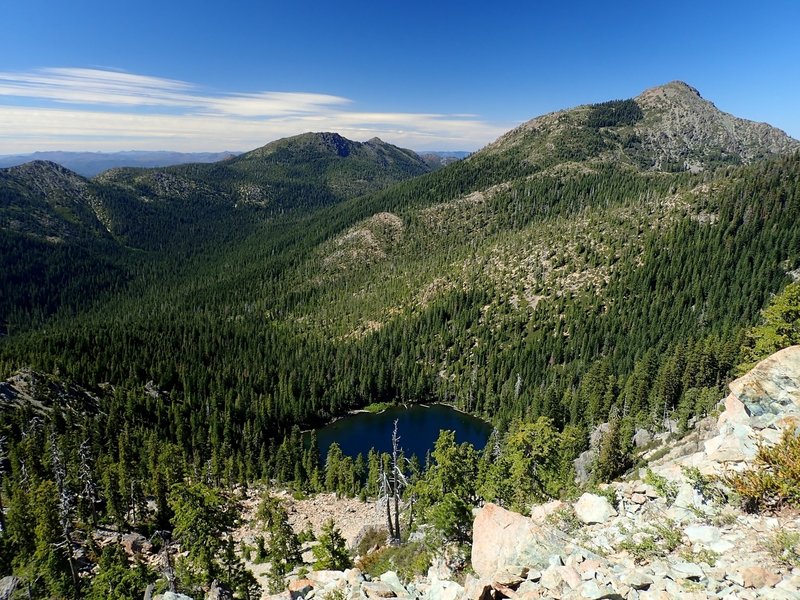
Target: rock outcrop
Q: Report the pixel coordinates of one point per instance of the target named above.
(501, 537)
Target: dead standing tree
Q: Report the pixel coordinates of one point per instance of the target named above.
(392, 483)
(66, 504)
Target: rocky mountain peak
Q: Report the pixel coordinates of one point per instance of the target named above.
(670, 127)
(673, 89)
(49, 176)
(683, 130)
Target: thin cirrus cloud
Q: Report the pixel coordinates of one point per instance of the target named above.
(97, 109)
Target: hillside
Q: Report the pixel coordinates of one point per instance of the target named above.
(132, 222)
(304, 171)
(470, 269)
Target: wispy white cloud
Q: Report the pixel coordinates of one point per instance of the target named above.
(94, 109)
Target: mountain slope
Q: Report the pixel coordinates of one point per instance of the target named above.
(499, 283)
(666, 128)
(47, 201)
(300, 172)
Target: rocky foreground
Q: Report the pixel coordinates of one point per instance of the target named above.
(665, 533)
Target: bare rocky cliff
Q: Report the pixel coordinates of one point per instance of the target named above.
(681, 126)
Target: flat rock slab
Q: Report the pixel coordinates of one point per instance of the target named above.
(377, 589)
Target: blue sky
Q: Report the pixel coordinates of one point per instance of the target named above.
(175, 75)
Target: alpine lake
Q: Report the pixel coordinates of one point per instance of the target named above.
(418, 427)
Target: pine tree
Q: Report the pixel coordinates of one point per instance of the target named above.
(331, 552)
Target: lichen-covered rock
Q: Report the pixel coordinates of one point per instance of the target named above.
(773, 385)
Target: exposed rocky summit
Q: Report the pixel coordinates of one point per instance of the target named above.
(41, 393)
(44, 200)
(680, 126)
(666, 128)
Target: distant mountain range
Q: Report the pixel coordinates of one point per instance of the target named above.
(90, 164)
(441, 158)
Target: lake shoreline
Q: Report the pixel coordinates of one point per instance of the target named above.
(420, 425)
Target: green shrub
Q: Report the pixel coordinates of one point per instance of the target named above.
(374, 537)
(703, 485)
(408, 561)
(657, 540)
(774, 479)
(565, 520)
(665, 488)
(331, 552)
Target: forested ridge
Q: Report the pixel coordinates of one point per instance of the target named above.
(213, 321)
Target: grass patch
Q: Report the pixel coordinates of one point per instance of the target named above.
(785, 547)
(408, 561)
(655, 541)
(701, 556)
(564, 519)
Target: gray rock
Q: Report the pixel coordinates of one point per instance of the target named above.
(551, 578)
(477, 589)
(377, 589)
(593, 591)
(571, 577)
(591, 508)
(443, 590)
(506, 578)
(736, 445)
(687, 570)
(555, 560)
(703, 534)
(519, 570)
(786, 586)
(324, 578)
(636, 579)
(773, 385)
(391, 579)
(642, 437)
(527, 587)
(354, 577)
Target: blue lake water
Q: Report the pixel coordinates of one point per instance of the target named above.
(417, 425)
